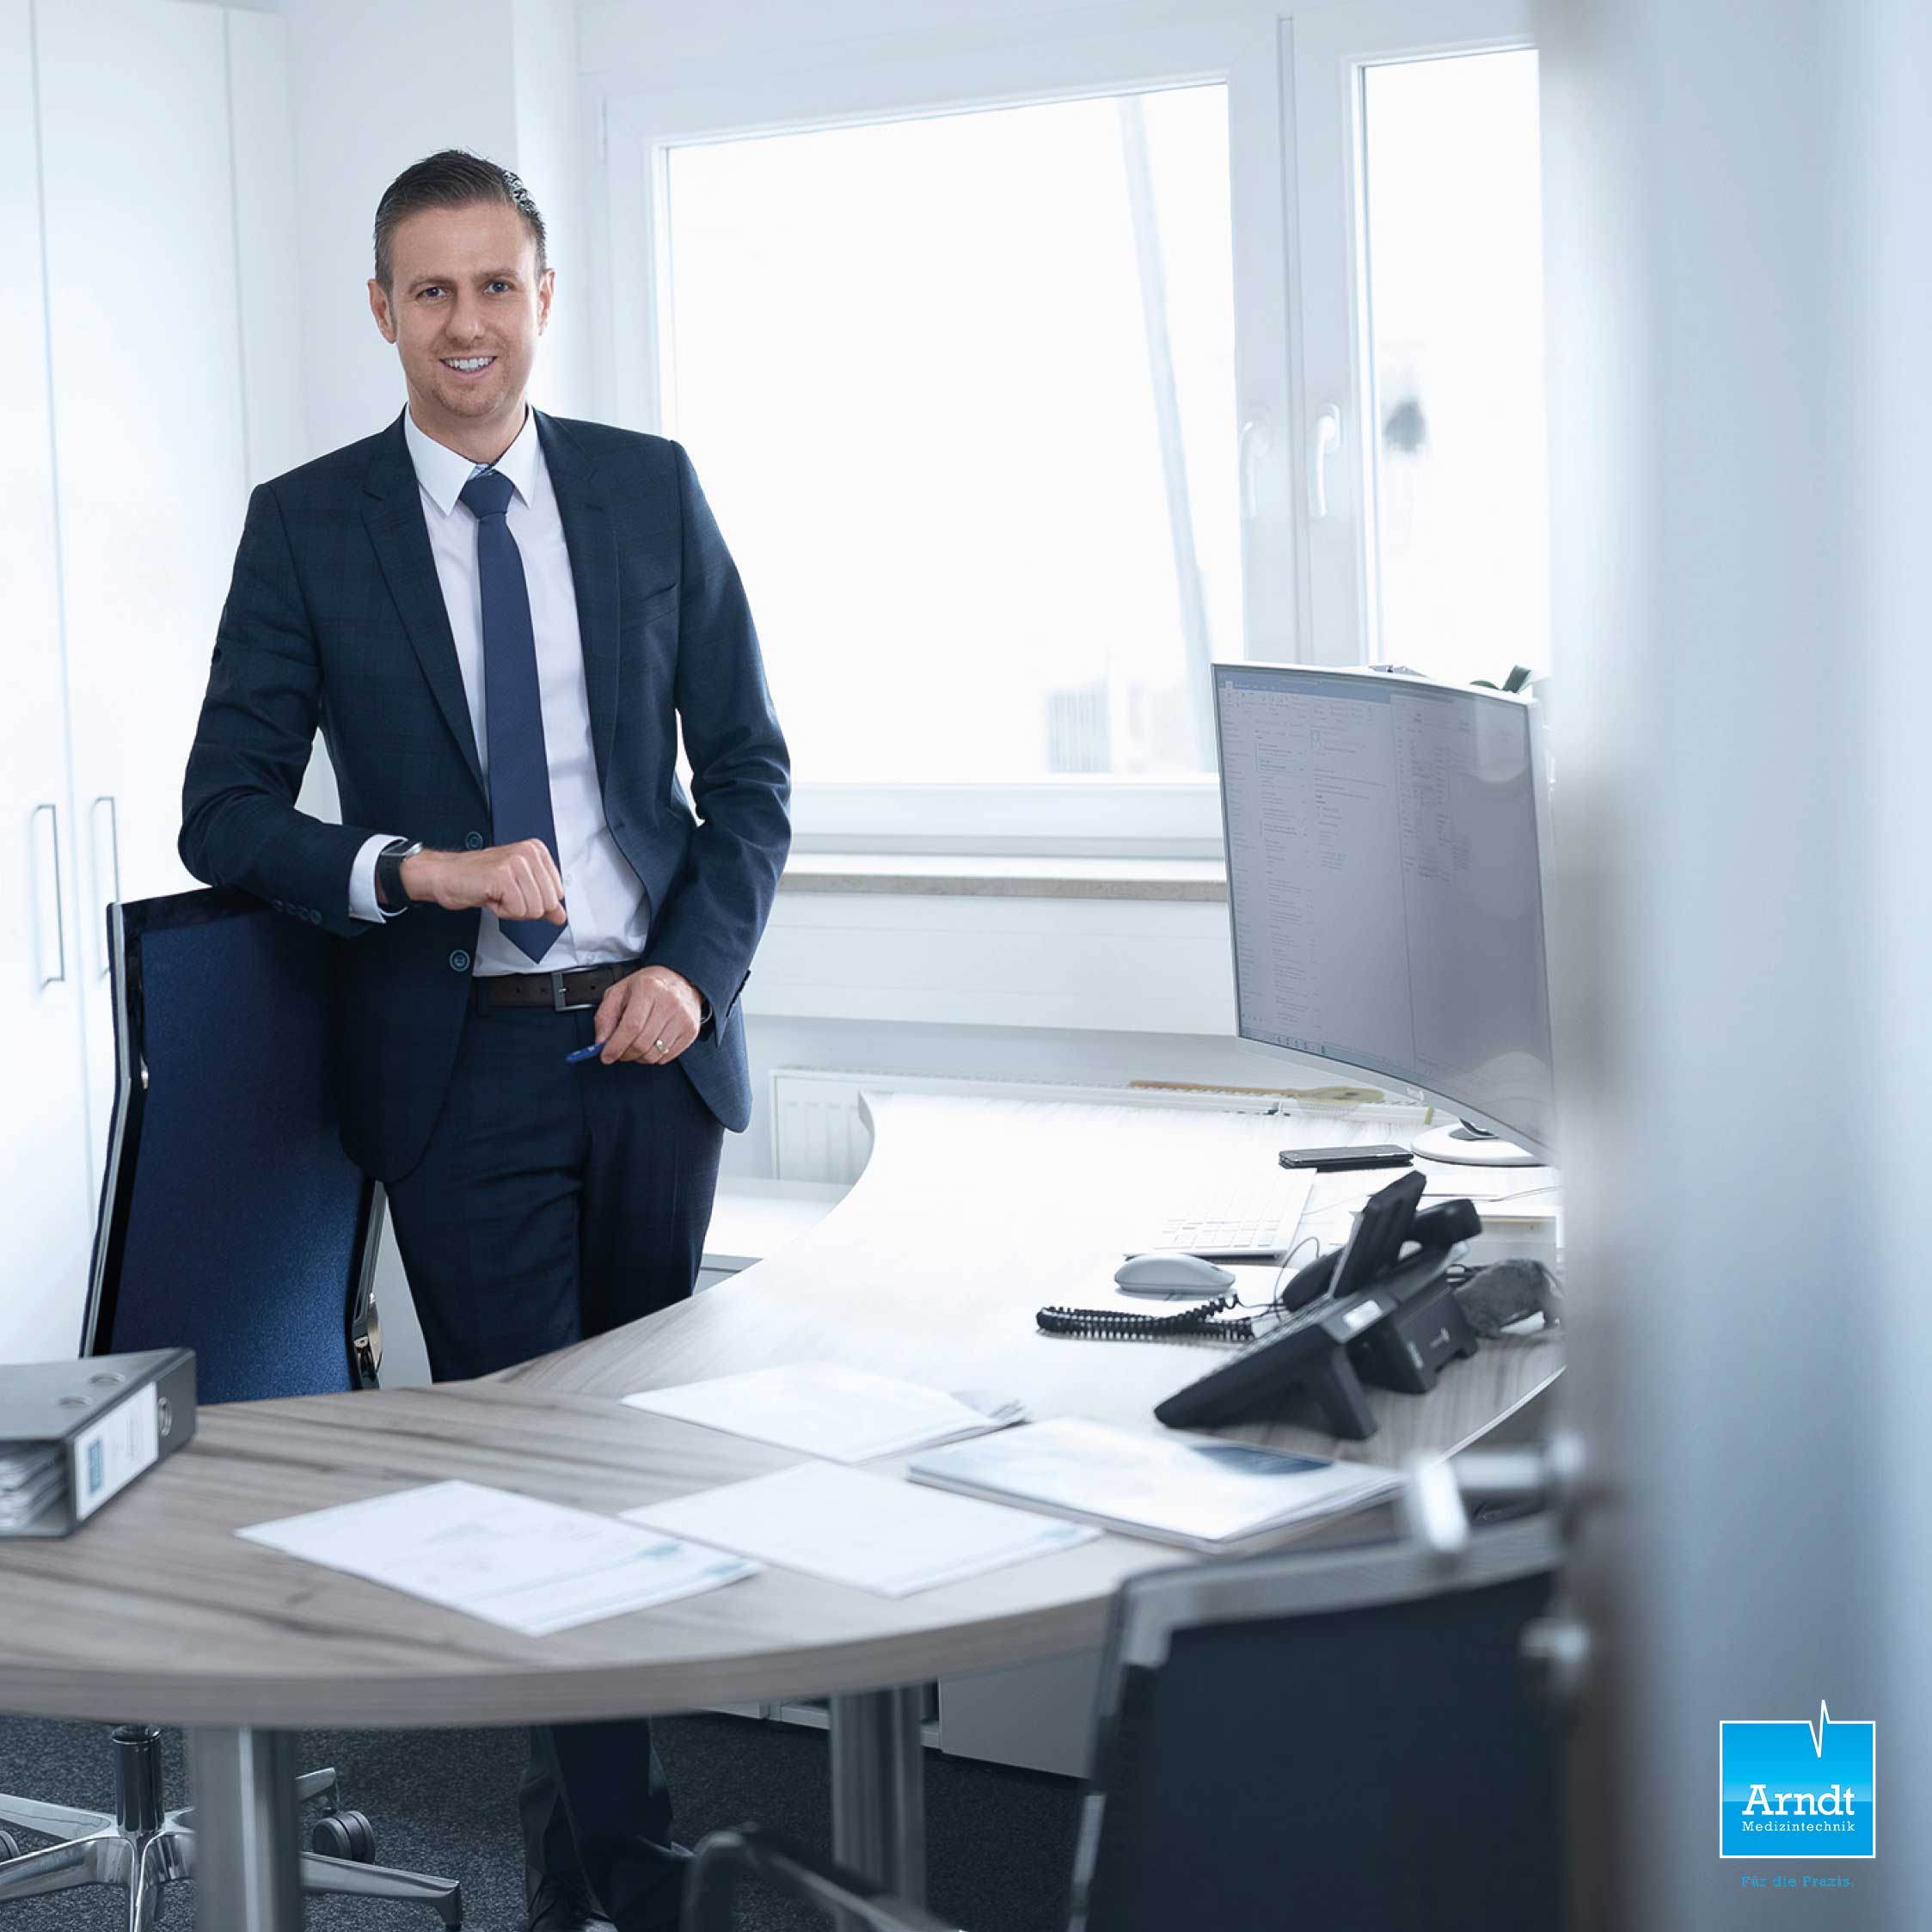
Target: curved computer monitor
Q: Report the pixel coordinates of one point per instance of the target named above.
(1386, 840)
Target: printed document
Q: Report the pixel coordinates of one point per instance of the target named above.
(868, 1531)
(822, 1408)
(526, 1565)
(1196, 1490)
(31, 1477)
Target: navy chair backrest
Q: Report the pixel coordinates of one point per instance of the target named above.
(1378, 1766)
(231, 1221)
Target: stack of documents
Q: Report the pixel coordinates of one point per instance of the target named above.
(526, 1565)
(866, 1531)
(822, 1408)
(31, 1476)
(1197, 1490)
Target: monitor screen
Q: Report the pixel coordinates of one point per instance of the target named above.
(1385, 841)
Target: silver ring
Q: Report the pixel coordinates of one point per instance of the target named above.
(658, 1044)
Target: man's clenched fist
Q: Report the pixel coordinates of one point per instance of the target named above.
(519, 881)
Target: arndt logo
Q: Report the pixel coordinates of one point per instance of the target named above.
(1795, 1790)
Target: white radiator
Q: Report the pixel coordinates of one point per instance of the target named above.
(819, 1133)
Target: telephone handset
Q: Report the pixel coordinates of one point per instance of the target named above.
(1440, 1226)
(1377, 1238)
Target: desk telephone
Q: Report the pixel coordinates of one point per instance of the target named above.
(1365, 1312)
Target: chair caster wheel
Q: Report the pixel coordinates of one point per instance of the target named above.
(345, 1834)
(9, 1845)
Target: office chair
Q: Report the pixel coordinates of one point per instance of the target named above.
(1312, 1740)
(232, 1223)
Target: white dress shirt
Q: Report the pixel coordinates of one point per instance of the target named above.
(602, 894)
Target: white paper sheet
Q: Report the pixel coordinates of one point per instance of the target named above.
(866, 1531)
(30, 1479)
(1174, 1486)
(528, 1566)
(826, 1409)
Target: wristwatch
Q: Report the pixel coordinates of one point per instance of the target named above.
(390, 894)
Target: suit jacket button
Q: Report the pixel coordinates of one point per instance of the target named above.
(459, 961)
(474, 840)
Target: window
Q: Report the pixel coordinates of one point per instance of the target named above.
(986, 356)
(1418, 190)
(961, 391)
(1457, 581)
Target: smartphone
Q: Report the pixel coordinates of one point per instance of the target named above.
(1338, 1160)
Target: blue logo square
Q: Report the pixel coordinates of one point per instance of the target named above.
(96, 1468)
(1792, 1790)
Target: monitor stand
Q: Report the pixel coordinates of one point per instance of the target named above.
(1471, 1147)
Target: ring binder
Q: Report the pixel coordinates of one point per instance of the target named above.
(73, 1435)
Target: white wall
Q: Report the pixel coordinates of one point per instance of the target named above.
(725, 37)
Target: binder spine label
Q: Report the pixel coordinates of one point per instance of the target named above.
(109, 1455)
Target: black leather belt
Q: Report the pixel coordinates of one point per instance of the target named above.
(562, 992)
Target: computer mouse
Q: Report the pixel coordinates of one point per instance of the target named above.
(1171, 1274)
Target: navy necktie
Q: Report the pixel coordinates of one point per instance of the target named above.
(513, 706)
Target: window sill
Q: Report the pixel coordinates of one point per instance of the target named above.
(1117, 944)
(950, 876)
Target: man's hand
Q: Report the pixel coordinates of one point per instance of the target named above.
(519, 881)
(651, 1016)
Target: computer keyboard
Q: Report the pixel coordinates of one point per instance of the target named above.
(1255, 1214)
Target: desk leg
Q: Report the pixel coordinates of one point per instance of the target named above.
(247, 1848)
(878, 1789)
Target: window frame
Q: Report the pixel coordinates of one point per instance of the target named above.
(1328, 49)
(1172, 817)
(1294, 96)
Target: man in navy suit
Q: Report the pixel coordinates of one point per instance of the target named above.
(501, 619)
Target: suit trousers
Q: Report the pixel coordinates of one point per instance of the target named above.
(553, 1203)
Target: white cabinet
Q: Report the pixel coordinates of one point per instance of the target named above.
(47, 1175)
(156, 332)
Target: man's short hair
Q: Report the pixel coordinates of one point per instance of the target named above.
(453, 179)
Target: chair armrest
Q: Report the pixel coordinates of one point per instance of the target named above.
(724, 1858)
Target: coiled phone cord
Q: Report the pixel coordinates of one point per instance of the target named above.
(1114, 1324)
(1106, 1324)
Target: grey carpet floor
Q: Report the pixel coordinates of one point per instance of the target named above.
(999, 1842)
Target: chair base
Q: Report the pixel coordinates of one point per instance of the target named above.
(142, 1849)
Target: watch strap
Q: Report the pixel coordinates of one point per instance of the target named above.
(389, 893)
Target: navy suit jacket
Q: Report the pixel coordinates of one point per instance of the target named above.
(336, 617)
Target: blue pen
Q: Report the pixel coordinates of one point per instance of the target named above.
(584, 1053)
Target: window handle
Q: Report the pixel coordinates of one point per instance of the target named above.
(58, 976)
(1328, 443)
(1248, 453)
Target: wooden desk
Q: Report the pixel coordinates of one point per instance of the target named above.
(970, 1215)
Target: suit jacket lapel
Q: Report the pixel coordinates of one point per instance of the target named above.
(394, 513)
(590, 537)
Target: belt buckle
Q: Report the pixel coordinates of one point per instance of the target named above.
(557, 1003)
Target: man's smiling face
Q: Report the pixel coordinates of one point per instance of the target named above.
(467, 309)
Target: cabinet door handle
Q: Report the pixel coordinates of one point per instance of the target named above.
(57, 977)
(113, 862)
